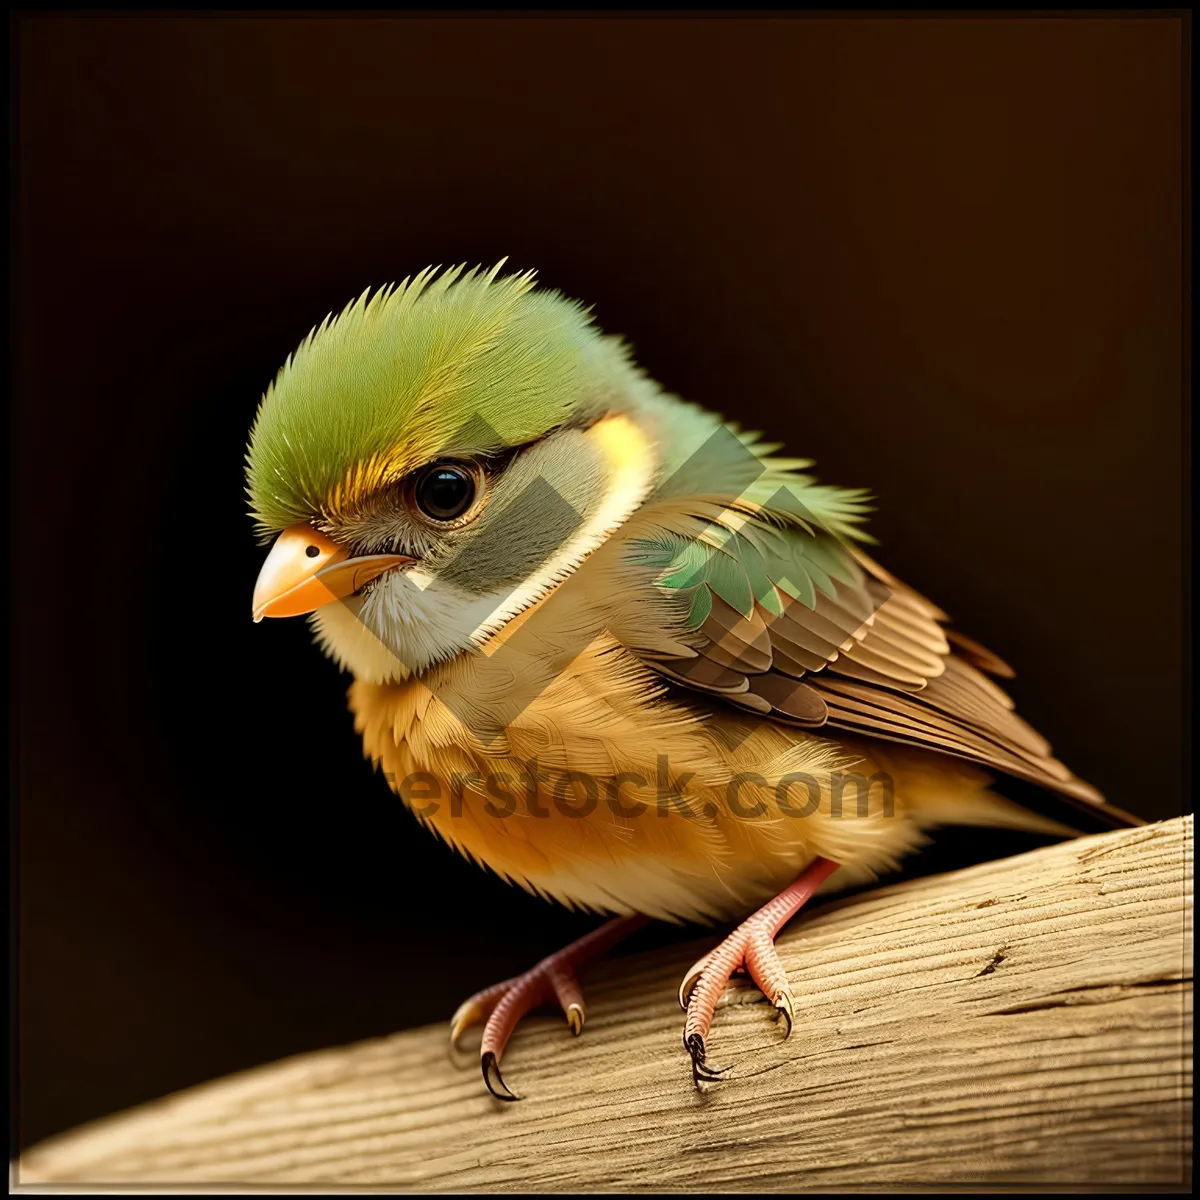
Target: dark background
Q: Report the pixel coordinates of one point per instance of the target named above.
(943, 257)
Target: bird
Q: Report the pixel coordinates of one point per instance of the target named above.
(610, 645)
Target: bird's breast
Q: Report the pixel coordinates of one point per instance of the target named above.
(597, 790)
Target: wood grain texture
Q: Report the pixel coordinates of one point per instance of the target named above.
(1027, 1020)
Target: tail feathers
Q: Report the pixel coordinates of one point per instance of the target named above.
(939, 790)
(984, 808)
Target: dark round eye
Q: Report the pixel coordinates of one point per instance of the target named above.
(445, 492)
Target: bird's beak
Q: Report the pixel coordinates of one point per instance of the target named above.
(305, 569)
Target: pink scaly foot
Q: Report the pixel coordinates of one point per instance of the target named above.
(750, 947)
(553, 979)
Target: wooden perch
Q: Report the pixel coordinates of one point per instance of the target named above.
(1027, 1020)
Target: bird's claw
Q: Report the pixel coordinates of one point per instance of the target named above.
(493, 1078)
(702, 1071)
(469, 1012)
(786, 1007)
(700, 1022)
(575, 1018)
(552, 981)
(749, 948)
(503, 1005)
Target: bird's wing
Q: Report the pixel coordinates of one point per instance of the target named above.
(777, 614)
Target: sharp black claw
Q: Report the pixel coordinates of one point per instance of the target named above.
(784, 1005)
(499, 1088)
(702, 1072)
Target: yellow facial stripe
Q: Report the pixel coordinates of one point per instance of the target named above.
(354, 490)
(626, 450)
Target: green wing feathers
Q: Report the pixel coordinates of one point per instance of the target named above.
(774, 534)
(774, 609)
(747, 564)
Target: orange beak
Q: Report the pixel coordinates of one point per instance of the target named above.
(305, 570)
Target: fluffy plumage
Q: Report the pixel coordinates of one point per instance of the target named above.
(673, 593)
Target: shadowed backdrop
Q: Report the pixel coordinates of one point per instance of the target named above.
(942, 257)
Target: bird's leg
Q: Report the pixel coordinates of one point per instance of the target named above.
(751, 946)
(552, 980)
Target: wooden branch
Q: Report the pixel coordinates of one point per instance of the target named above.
(1026, 1020)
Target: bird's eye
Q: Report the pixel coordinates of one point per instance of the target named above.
(445, 492)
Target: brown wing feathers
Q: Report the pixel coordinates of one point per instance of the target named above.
(877, 661)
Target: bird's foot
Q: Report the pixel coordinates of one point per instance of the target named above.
(553, 980)
(750, 947)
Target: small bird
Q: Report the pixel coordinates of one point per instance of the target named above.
(610, 645)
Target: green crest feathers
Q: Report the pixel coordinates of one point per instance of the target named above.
(439, 364)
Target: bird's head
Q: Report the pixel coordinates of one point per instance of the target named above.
(434, 460)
